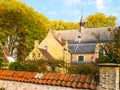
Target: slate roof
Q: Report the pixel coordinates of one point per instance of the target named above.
(53, 79)
(69, 35)
(86, 35)
(82, 48)
(45, 53)
(84, 41)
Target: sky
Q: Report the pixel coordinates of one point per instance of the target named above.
(72, 10)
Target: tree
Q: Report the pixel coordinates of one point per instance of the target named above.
(1, 58)
(61, 25)
(111, 49)
(100, 20)
(20, 25)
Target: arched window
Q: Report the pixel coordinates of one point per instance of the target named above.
(80, 58)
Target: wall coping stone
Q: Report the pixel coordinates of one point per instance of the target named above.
(109, 65)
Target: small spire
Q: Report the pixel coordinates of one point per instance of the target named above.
(81, 24)
(81, 21)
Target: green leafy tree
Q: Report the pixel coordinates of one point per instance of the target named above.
(20, 25)
(111, 49)
(1, 57)
(100, 20)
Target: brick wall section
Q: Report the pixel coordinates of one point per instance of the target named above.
(109, 77)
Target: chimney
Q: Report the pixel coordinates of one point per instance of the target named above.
(81, 24)
(36, 44)
(109, 76)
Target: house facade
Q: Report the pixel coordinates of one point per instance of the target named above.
(50, 48)
(74, 46)
(83, 43)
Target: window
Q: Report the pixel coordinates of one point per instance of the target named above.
(80, 58)
(100, 52)
(79, 36)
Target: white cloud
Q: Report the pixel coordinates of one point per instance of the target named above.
(69, 3)
(52, 12)
(100, 5)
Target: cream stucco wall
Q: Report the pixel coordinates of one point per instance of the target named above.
(55, 48)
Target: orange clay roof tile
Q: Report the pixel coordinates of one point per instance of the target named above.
(66, 78)
(40, 81)
(86, 86)
(59, 82)
(54, 82)
(68, 84)
(63, 83)
(80, 85)
(49, 82)
(57, 76)
(74, 84)
(55, 79)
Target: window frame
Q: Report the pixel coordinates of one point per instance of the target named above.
(82, 56)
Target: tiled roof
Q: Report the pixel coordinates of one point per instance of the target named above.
(54, 79)
(46, 54)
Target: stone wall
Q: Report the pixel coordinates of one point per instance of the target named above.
(13, 85)
(109, 77)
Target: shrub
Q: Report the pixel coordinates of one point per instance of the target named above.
(16, 66)
(83, 68)
(23, 67)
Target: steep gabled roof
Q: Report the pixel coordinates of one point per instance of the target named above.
(85, 35)
(88, 37)
(46, 54)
